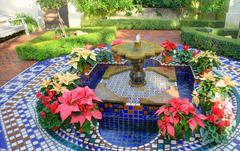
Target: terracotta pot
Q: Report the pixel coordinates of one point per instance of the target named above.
(117, 58)
(207, 70)
(81, 130)
(55, 128)
(197, 81)
(87, 69)
(167, 59)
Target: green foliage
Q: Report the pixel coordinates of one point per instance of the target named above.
(184, 56)
(138, 23)
(105, 56)
(212, 132)
(202, 23)
(161, 3)
(103, 8)
(154, 24)
(46, 46)
(51, 4)
(31, 23)
(204, 41)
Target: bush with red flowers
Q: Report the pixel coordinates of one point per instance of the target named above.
(184, 55)
(220, 120)
(67, 104)
(178, 119)
(169, 50)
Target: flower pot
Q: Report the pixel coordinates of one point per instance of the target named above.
(87, 69)
(167, 59)
(197, 81)
(206, 71)
(55, 128)
(81, 130)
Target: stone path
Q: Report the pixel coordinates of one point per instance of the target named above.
(11, 65)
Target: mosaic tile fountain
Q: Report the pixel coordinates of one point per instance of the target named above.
(19, 128)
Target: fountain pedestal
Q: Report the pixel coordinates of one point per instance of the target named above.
(136, 53)
(137, 74)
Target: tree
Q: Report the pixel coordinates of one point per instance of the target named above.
(54, 6)
(102, 8)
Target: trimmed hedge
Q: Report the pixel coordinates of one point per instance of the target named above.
(208, 41)
(155, 24)
(46, 46)
(202, 23)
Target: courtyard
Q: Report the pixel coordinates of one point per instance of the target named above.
(136, 75)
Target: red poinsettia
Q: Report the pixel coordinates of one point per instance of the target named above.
(79, 100)
(101, 46)
(185, 47)
(221, 114)
(177, 110)
(117, 42)
(168, 45)
(46, 99)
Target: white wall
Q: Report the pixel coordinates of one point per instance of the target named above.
(233, 15)
(29, 7)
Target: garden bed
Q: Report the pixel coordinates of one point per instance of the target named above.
(48, 45)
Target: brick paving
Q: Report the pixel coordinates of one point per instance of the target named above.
(11, 65)
(156, 36)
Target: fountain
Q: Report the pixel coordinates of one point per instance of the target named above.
(137, 52)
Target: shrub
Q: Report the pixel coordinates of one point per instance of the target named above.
(154, 24)
(202, 23)
(45, 46)
(205, 41)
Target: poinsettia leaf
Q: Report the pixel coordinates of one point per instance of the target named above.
(86, 126)
(94, 121)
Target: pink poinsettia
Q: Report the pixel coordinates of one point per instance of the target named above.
(78, 100)
(177, 110)
(117, 42)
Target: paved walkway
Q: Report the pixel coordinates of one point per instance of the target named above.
(156, 36)
(11, 65)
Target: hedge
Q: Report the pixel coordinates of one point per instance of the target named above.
(155, 24)
(202, 23)
(207, 41)
(46, 46)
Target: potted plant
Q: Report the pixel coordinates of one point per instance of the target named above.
(210, 89)
(82, 60)
(104, 56)
(184, 55)
(63, 104)
(169, 49)
(219, 123)
(205, 61)
(179, 119)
